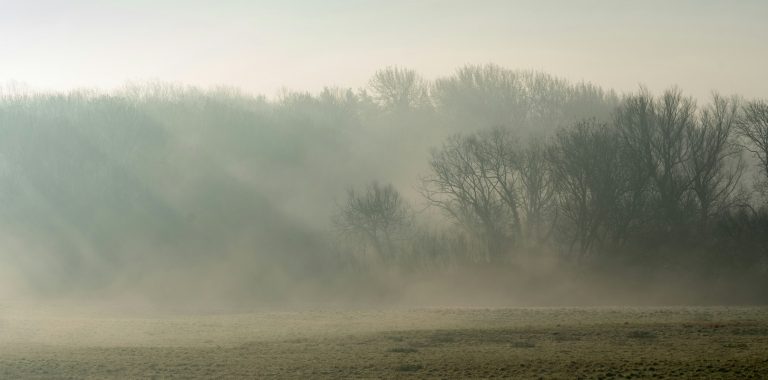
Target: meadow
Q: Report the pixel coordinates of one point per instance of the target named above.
(548, 343)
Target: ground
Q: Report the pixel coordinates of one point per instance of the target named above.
(548, 343)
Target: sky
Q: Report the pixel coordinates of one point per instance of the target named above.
(265, 47)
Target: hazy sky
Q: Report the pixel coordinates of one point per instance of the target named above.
(262, 46)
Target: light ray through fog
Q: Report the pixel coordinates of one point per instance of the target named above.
(383, 189)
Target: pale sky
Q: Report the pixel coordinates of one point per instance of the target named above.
(263, 46)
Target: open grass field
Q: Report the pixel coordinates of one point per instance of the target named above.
(559, 343)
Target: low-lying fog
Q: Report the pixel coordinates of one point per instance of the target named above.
(486, 187)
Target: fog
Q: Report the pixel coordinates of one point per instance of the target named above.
(486, 187)
(183, 157)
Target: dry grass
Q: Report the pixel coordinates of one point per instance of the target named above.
(440, 343)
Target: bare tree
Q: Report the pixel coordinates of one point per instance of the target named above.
(474, 181)
(484, 95)
(375, 217)
(537, 192)
(400, 89)
(655, 134)
(715, 164)
(590, 182)
(753, 126)
(490, 95)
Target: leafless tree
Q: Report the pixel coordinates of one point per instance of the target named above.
(715, 164)
(400, 89)
(753, 126)
(489, 95)
(375, 217)
(590, 183)
(655, 134)
(537, 192)
(481, 96)
(474, 181)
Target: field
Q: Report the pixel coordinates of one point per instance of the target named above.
(601, 343)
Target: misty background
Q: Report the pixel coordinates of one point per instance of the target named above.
(381, 167)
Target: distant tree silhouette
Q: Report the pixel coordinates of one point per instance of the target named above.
(375, 216)
(399, 89)
(591, 182)
(656, 134)
(753, 126)
(537, 192)
(715, 166)
(475, 181)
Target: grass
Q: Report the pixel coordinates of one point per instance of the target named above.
(550, 343)
(641, 334)
(403, 350)
(409, 367)
(523, 344)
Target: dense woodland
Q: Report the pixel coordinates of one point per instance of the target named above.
(487, 167)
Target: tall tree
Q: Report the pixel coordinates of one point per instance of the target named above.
(753, 126)
(656, 134)
(591, 183)
(474, 180)
(715, 164)
(399, 89)
(537, 192)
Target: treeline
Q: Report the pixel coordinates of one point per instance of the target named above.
(661, 184)
(158, 183)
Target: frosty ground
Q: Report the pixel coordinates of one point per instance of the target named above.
(606, 342)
